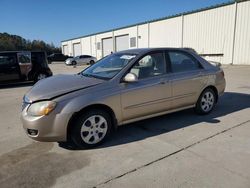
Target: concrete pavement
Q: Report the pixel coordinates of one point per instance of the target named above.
(175, 150)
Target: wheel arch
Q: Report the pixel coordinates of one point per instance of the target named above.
(215, 91)
(88, 108)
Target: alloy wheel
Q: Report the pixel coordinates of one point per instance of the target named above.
(207, 101)
(94, 129)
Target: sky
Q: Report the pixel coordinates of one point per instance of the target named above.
(57, 20)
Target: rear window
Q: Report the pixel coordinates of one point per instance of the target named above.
(24, 57)
(39, 58)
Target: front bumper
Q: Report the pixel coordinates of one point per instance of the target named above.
(68, 62)
(49, 128)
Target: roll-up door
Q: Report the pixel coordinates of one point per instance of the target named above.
(122, 43)
(65, 50)
(107, 46)
(77, 49)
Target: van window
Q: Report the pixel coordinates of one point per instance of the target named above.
(7, 60)
(24, 57)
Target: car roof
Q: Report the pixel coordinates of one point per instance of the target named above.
(146, 50)
(20, 51)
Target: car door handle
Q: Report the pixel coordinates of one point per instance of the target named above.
(163, 82)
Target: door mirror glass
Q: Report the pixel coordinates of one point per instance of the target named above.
(130, 77)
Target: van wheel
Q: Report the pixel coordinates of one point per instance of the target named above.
(206, 102)
(40, 76)
(91, 129)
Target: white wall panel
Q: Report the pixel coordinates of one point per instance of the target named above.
(93, 46)
(143, 36)
(211, 31)
(242, 34)
(166, 33)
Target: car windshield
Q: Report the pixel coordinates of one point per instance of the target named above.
(108, 66)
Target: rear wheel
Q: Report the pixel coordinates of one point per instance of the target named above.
(91, 129)
(73, 62)
(92, 62)
(206, 102)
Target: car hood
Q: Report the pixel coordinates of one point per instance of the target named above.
(59, 85)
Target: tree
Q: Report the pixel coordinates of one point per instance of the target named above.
(10, 42)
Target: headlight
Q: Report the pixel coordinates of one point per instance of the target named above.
(41, 108)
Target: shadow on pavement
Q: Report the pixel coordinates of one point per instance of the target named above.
(230, 102)
(16, 85)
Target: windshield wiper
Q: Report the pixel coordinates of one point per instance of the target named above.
(95, 76)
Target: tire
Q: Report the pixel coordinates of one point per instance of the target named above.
(92, 62)
(40, 76)
(74, 63)
(206, 102)
(91, 129)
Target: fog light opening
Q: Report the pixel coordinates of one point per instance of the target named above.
(32, 132)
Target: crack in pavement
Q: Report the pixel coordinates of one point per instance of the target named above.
(166, 156)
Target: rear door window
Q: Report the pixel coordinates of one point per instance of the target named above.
(24, 57)
(183, 62)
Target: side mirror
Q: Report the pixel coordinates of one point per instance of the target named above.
(130, 77)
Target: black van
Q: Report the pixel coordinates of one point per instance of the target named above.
(23, 65)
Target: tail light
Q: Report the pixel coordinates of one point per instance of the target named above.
(222, 73)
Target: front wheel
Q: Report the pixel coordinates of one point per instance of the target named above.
(92, 62)
(206, 102)
(40, 76)
(91, 129)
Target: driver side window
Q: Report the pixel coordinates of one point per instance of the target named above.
(149, 66)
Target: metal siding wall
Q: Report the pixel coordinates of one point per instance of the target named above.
(166, 33)
(211, 32)
(208, 32)
(93, 46)
(242, 34)
(143, 36)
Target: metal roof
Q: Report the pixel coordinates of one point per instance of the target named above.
(163, 18)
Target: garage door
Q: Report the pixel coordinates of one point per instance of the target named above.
(122, 43)
(77, 49)
(107, 46)
(65, 50)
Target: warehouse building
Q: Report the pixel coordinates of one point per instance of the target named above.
(220, 33)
